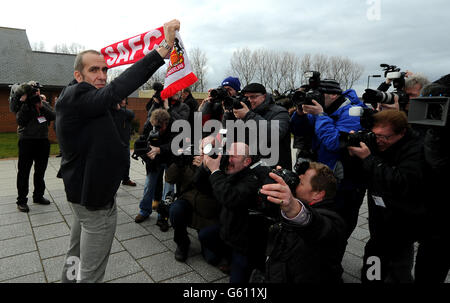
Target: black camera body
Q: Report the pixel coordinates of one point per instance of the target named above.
(234, 102)
(264, 206)
(309, 92)
(305, 98)
(218, 94)
(354, 139)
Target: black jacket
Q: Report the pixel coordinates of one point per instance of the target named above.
(93, 154)
(310, 253)
(236, 193)
(397, 176)
(193, 107)
(269, 111)
(437, 156)
(123, 117)
(29, 125)
(193, 186)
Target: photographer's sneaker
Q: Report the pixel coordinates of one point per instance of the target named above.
(41, 200)
(155, 204)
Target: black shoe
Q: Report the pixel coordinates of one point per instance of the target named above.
(181, 253)
(163, 224)
(41, 200)
(140, 218)
(23, 208)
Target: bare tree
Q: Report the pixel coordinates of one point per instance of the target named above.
(264, 67)
(305, 66)
(290, 67)
(158, 76)
(38, 46)
(320, 64)
(63, 48)
(243, 64)
(199, 65)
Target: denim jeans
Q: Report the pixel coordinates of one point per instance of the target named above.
(150, 188)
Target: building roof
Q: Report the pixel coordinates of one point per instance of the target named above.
(19, 63)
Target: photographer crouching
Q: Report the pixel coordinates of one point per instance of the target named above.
(394, 169)
(33, 118)
(235, 187)
(307, 245)
(195, 205)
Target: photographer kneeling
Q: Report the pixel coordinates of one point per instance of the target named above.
(195, 205)
(308, 245)
(394, 170)
(235, 187)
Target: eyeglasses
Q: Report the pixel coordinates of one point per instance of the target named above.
(252, 97)
(385, 138)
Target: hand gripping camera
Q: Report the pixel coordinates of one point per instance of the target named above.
(308, 92)
(398, 80)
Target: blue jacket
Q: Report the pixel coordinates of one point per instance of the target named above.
(326, 128)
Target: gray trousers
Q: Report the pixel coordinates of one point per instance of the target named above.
(91, 237)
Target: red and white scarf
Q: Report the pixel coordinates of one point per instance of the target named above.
(179, 74)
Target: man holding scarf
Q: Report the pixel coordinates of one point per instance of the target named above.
(93, 155)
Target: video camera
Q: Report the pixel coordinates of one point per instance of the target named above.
(142, 145)
(398, 80)
(308, 92)
(431, 111)
(29, 89)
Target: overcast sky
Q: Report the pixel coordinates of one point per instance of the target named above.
(410, 34)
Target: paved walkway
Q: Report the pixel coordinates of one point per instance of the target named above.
(33, 245)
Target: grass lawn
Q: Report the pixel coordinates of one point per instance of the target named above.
(9, 149)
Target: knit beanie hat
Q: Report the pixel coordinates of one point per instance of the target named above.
(330, 86)
(233, 82)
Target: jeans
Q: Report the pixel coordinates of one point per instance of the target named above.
(180, 215)
(151, 182)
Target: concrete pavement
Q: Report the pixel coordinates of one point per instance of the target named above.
(33, 245)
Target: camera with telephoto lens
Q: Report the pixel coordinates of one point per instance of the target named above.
(234, 102)
(309, 92)
(398, 80)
